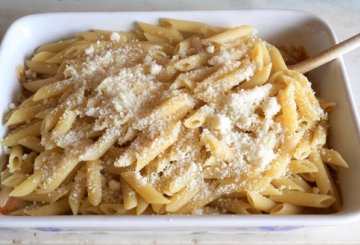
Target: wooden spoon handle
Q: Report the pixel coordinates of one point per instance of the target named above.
(327, 55)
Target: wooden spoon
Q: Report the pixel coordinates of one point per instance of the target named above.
(327, 55)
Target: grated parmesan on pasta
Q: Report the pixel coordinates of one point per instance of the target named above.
(166, 120)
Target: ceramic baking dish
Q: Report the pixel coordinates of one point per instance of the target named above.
(280, 27)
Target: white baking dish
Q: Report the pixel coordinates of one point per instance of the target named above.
(281, 27)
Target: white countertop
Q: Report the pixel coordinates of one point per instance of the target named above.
(343, 17)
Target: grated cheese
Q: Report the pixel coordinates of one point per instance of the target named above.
(271, 107)
(89, 50)
(115, 37)
(114, 185)
(210, 49)
(155, 69)
(25, 156)
(221, 123)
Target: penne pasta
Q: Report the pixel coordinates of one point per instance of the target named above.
(302, 166)
(56, 46)
(236, 206)
(42, 56)
(305, 199)
(285, 209)
(32, 143)
(42, 67)
(171, 35)
(145, 190)
(57, 208)
(129, 195)
(77, 192)
(230, 35)
(183, 25)
(93, 182)
(191, 62)
(15, 158)
(260, 202)
(288, 105)
(278, 63)
(13, 138)
(178, 117)
(258, 79)
(166, 46)
(24, 114)
(333, 157)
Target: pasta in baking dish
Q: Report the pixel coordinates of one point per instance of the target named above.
(175, 118)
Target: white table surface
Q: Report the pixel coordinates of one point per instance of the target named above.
(344, 18)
